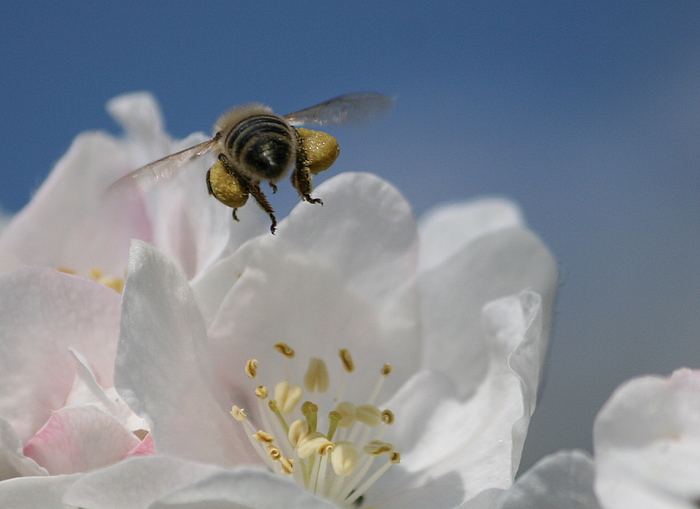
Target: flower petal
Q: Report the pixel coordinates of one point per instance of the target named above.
(647, 443)
(80, 439)
(446, 229)
(135, 483)
(163, 366)
(564, 479)
(40, 492)
(252, 489)
(69, 223)
(13, 462)
(453, 294)
(43, 313)
(479, 438)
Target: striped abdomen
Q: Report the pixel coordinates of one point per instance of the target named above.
(258, 143)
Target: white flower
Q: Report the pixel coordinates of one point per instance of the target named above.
(647, 453)
(461, 311)
(72, 223)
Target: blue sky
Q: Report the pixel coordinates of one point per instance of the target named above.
(585, 113)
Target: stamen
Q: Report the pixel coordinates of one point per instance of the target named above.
(337, 470)
(251, 368)
(285, 350)
(288, 396)
(316, 378)
(385, 372)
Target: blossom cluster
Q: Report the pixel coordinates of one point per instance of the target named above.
(153, 353)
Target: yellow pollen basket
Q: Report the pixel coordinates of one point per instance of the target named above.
(332, 452)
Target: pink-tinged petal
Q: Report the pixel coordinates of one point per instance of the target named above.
(647, 443)
(478, 439)
(80, 439)
(135, 483)
(492, 266)
(36, 492)
(44, 313)
(13, 462)
(252, 489)
(69, 223)
(446, 229)
(164, 370)
(562, 480)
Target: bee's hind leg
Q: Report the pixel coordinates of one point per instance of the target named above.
(302, 179)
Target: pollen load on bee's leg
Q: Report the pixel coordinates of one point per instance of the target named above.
(321, 149)
(225, 187)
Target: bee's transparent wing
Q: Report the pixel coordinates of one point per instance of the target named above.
(161, 169)
(351, 110)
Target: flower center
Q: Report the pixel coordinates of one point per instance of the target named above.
(97, 275)
(330, 452)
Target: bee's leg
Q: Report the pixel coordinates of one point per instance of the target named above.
(273, 187)
(302, 179)
(257, 193)
(235, 217)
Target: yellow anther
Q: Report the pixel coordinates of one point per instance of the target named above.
(251, 368)
(287, 465)
(346, 359)
(386, 369)
(369, 415)
(311, 444)
(264, 437)
(261, 392)
(326, 448)
(274, 452)
(316, 378)
(388, 417)
(297, 431)
(238, 413)
(95, 274)
(285, 350)
(347, 413)
(377, 447)
(395, 457)
(288, 396)
(344, 458)
(272, 405)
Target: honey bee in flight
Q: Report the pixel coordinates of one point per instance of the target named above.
(252, 144)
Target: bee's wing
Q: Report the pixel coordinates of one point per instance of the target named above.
(358, 109)
(161, 169)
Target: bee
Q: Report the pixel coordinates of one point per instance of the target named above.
(252, 144)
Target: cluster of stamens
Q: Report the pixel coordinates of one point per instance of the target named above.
(331, 458)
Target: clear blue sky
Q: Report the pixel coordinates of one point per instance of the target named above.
(587, 113)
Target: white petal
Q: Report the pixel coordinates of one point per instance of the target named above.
(35, 492)
(43, 313)
(163, 367)
(453, 294)
(13, 462)
(135, 483)
(446, 229)
(479, 438)
(562, 480)
(244, 488)
(647, 443)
